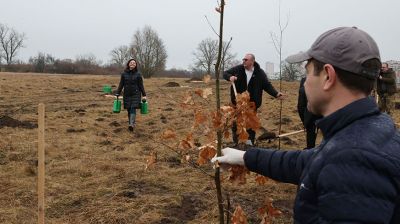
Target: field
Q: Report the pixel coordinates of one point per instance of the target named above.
(95, 167)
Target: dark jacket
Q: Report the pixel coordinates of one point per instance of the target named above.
(307, 118)
(132, 83)
(353, 176)
(257, 84)
(388, 82)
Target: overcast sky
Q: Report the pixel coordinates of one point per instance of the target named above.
(67, 29)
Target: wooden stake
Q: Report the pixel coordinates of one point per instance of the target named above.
(41, 166)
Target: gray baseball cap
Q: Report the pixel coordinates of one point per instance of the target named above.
(346, 48)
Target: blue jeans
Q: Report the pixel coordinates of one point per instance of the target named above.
(131, 116)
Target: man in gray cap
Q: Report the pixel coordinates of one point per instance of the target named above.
(353, 176)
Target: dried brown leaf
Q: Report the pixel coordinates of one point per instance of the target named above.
(268, 212)
(188, 100)
(151, 160)
(207, 78)
(261, 180)
(238, 174)
(187, 143)
(198, 92)
(199, 118)
(239, 217)
(203, 92)
(206, 92)
(168, 133)
(206, 153)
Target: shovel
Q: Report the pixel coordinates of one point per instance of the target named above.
(234, 88)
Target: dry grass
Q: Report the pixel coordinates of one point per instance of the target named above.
(95, 167)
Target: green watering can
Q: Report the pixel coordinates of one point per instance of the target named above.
(117, 105)
(144, 107)
(107, 89)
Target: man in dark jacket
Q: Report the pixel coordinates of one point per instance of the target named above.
(307, 118)
(353, 176)
(249, 77)
(386, 88)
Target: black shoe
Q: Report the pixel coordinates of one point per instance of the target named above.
(130, 128)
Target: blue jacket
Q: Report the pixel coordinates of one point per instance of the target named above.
(353, 176)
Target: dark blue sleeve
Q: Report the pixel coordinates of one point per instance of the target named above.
(280, 165)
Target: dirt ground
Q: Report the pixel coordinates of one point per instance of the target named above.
(95, 167)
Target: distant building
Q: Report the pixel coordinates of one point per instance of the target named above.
(269, 68)
(398, 79)
(394, 64)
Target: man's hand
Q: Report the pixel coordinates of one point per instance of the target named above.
(233, 78)
(230, 156)
(280, 96)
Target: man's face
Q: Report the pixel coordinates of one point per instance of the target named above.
(248, 61)
(314, 90)
(384, 67)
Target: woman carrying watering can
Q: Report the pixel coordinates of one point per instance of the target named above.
(132, 83)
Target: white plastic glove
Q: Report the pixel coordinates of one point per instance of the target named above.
(230, 156)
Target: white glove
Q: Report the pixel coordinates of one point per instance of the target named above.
(230, 156)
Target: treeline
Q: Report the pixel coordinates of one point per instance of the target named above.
(88, 64)
(48, 64)
(146, 47)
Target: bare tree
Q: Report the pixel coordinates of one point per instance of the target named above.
(206, 55)
(38, 62)
(218, 68)
(1, 56)
(87, 59)
(42, 62)
(87, 64)
(277, 39)
(292, 72)
(120, 55)
(278, 44)
(149, 50)
(10, 42)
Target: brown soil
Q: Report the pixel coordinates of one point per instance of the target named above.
(95, 167)
(171, 84)
(6, 121)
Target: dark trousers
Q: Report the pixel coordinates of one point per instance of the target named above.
(235, 136)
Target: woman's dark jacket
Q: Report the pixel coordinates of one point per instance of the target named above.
(132, 83)
(353, 176)
(257, 84)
